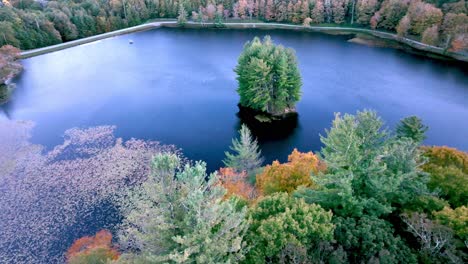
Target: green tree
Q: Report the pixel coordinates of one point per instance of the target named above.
(412, 127)
(371, 240)
(279, 221)
(182, 17)
(368, 172)
(391, 12)
(7, 34)
(179, 216)
(269, 78)
(247, 155)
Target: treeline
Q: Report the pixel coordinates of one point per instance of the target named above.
(9, 68)
(29, 24)
(370, 196)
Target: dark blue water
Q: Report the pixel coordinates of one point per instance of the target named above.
(178, 87)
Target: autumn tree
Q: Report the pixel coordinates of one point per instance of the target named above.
(365, 10)
(390, 13)
(280, 220)
(179, 215)
(339, 8)
(288, 176)
(448, 168)
(453, 30)
(317, 13)
(430, 36)
(269, 10)
(305, 10)
(422, 16)
(236, 184)
(459, 43)
(268, 76)
(456, 219)
(403, 26)
(247, 155)
(9, 64)
(93, 249)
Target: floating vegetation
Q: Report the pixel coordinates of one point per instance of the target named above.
(44, 195)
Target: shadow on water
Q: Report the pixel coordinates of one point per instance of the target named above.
(268, 131)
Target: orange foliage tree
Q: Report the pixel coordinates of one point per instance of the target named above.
(92, 247)
(288, 176)
(236, 184)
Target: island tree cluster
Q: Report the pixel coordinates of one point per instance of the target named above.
(28, 24)
(268, 76)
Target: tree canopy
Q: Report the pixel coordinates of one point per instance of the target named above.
(268, 76)
(178, 216)
(247, 155)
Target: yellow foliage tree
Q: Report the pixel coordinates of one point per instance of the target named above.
(288, 176)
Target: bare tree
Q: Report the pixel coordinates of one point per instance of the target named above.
(436, 240)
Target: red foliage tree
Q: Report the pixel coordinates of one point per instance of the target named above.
(89, 244)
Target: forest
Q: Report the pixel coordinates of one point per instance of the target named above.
(371, 195)
(29, 24)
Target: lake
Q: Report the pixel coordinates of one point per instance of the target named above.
(177, 86)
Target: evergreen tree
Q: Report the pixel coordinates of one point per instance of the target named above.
(413, 128)
(247, 155)
(371, 240)
(368, 172)
(182, 18)
(179, 216)
(269, 79)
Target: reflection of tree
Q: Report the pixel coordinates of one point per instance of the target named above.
(49, 198)
(5, 92)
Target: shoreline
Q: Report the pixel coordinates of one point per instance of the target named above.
(432, 50)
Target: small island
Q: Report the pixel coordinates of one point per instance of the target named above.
(269, 80)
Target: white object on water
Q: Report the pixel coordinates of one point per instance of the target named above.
(130, 41)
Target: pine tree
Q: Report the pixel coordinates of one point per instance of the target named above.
(368, 171)
(182, 18)
(413, 128)
(247, 155)
(179, 216)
